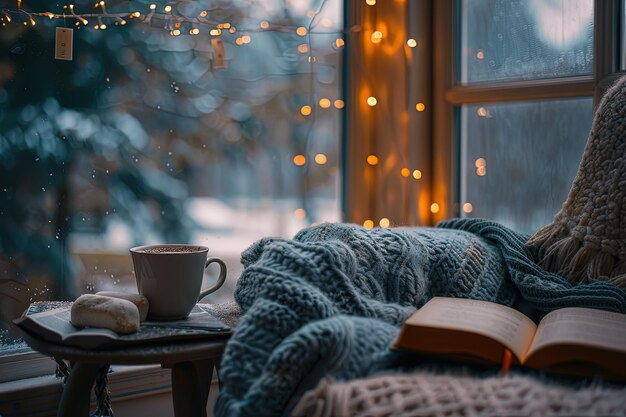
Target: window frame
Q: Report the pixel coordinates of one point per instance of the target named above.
(449, 95)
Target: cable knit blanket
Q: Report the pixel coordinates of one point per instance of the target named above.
(329, 302)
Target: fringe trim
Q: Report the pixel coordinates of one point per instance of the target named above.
(566, 255)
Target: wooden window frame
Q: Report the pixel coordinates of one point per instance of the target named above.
(449, 95)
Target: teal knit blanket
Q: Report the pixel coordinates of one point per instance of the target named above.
(330, 301)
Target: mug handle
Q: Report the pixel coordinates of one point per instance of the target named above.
(220, 279)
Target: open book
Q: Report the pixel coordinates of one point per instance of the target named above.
(579, 341)
(55, 326)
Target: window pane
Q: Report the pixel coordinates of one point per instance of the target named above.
(148, 136)
(507, 40)
(518, 160)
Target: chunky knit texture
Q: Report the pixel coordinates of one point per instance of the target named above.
(587, 239)
(435, 395)
(330, 301)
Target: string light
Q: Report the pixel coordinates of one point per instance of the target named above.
(299, 160)
(434, 208)
(368, 224)
(194, 31)
(301, 31)
(370, 2)
(339, 42)
(168, 9)
(420, 107)
(480, 55)
(412, 43)
(246, 39)
(405, 172)
(303, 48)
(468, 208)
(371, 101)
(384, 222)
(299, 213)
(372, 160)
(324, 103)
(339, 104)
(417, 174)
(376, 37)
(321, 159)
(264, 25)
(305, 110)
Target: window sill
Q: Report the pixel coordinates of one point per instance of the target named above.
(135, 390)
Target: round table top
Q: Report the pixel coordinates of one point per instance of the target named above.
(161, 352)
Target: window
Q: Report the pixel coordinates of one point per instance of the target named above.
(188, 122)
(518, 101)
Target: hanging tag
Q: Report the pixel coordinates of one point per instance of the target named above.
(219, 54)
(63, 43)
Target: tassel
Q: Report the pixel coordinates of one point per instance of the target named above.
(601, 265)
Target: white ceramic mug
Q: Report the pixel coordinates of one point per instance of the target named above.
(170, 277)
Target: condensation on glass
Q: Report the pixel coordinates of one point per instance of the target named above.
(518, 160)
(147, 138)
(512, 40)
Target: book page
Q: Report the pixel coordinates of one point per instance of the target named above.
(504, 324)
(582, 326)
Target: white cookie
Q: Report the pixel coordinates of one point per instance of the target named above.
(89, 310)
(139, 300)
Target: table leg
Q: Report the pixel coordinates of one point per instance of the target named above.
(77, 390)
(191, 382)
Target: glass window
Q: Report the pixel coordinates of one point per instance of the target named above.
(518, 160)
(208, 124)
(510, 40)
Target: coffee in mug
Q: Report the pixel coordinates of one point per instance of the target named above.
(170, 277)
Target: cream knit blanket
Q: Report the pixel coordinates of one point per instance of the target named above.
(422, 394)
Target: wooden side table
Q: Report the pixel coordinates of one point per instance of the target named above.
(191, 361)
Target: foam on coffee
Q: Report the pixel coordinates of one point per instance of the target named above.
(172, 249)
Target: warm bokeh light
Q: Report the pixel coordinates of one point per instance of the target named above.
(405, 172)
(339, 42)
(324, 103)
(480, 162)
(372, 160)
(175, 32)
(239, 41)
(305, 110)
(412, 43)
(467, 207)
(370, 2)
(264, 24)
(482, 112)
(301, 31)
(481, 171)
(168, 9)
(245, 39)
(384, 222)
(434, 208)
(299, 213)
(480, 54)
(368, 224)
(303, 48)
(371, 101)
(299, 160)
(339, 104)
(194, 31)
(320, 159)
(376, 37)
(417, 174)
(216, 32)
(420, 107)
